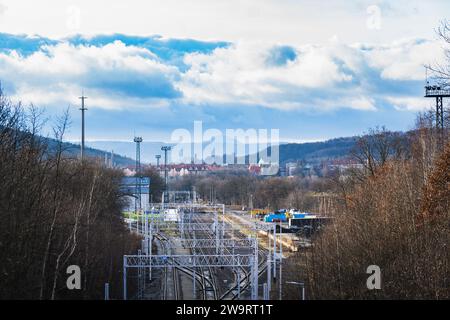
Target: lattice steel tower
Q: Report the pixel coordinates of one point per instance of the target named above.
(439, 93)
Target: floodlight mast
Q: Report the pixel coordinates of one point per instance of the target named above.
(438, 92)
(166, 178)
(138, 203)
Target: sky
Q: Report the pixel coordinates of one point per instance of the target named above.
(312, 69)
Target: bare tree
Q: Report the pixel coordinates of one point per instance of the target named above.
(374, 149)
(55, 211)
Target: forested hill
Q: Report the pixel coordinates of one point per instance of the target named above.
(316, 151)
(73, 150)
(290, 152)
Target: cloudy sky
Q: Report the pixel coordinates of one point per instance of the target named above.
(314, 70)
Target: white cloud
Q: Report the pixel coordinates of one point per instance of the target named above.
(296, 22)
(241, 74)
(410, 103)
(405, 60)
(321, 77)
(116, 75)
(308, 77)
(360, 103)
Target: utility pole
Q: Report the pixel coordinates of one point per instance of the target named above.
(82, 124)
(112, 158)
(302, 288)
(166, 178)
(281, 262)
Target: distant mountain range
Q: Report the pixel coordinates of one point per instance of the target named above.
(317, 151)
(73, 150)
(128, 149)
(289, 152)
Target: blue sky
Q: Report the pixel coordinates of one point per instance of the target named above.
(312, 70)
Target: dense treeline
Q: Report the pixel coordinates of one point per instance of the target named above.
(245, 190)
(395, 216)
(55, 212)
(157, 183)
(316, 151)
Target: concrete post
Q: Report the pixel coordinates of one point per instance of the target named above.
(106, 291)
(124, 278)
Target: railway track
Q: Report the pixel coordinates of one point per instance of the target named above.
(207, 278)
(165, 283)
(176, 283)
(246, 281)
(190, 272)
(208, 275)
(262, 267)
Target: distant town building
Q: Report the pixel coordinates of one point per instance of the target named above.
(179, 170)
(291, 168)
(342, 165)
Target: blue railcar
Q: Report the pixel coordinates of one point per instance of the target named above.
(275, 217)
